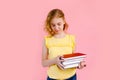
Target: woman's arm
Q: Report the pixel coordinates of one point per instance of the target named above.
(46, 62)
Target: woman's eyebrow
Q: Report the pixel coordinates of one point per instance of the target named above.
(59, 22)
(52, 23)
(56, 23)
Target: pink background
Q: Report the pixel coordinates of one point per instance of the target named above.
(94, 23)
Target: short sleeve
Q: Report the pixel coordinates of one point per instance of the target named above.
(46, 41)
(73, 42)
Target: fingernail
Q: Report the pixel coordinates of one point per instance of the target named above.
(84, 65)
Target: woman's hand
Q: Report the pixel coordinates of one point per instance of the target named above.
(81, 65)
(58, 61)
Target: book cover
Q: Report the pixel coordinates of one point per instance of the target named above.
(74, 56)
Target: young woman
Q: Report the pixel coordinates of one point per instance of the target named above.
(56, 44)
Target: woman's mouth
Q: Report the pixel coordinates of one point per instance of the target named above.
(56, 30)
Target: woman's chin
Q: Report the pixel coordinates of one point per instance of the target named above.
(58, 32)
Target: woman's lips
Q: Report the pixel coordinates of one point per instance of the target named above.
(56, 30)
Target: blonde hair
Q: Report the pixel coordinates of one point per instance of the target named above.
(54, 13)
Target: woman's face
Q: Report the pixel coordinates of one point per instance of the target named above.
(57, 25)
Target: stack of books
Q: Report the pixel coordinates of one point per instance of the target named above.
(73, 60)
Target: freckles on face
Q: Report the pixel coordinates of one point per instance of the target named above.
(57, 24)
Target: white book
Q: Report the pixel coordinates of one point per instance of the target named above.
(71, 66)
(72, 61)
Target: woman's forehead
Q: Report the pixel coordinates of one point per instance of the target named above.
(57, 20)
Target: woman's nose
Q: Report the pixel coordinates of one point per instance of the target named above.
(56, 27)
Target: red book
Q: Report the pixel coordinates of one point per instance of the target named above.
(74, 56)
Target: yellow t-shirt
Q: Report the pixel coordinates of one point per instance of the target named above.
(60, 46)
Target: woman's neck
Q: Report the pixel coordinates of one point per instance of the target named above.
(60, 35)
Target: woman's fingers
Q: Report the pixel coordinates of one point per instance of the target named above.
(84, 65)
(81, 65)
(61, 57)
(61, 66)
(59, 62)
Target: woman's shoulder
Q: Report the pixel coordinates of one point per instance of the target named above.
(47, 36)
(71, 35)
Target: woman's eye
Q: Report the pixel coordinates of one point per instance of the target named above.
(53, 25)
(59, 24)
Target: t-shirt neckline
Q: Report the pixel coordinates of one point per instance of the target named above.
(62, 37)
